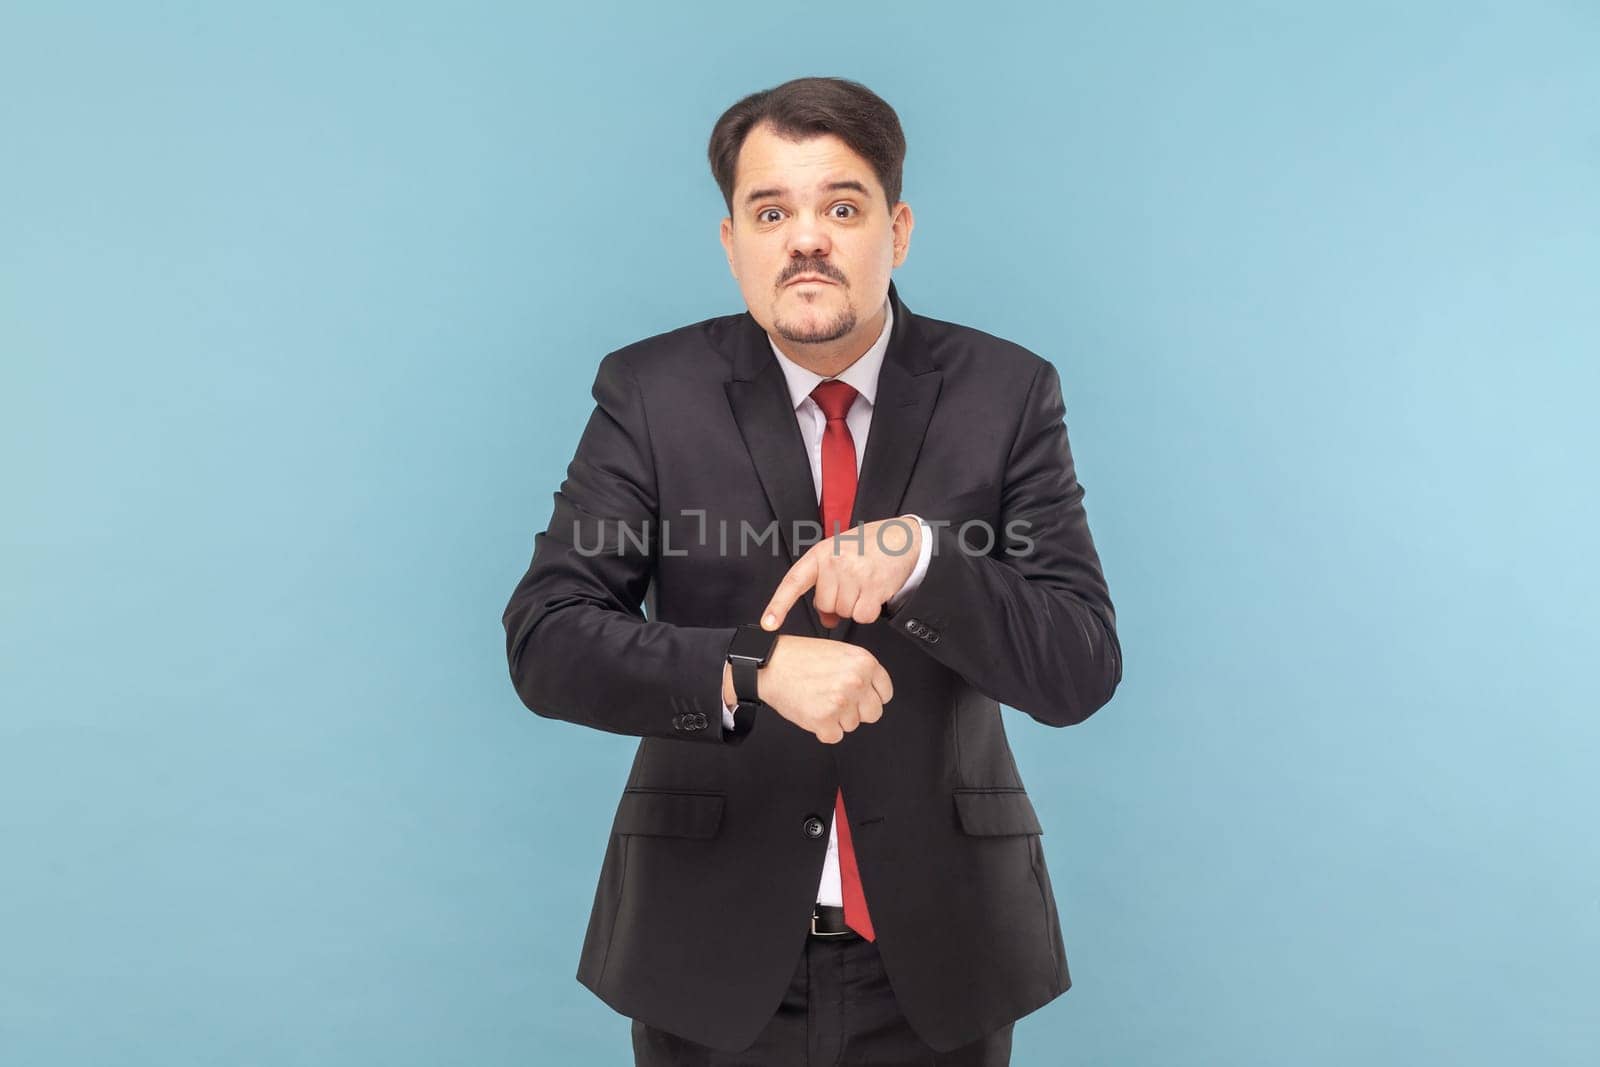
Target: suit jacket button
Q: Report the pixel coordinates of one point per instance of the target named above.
(933, 637)
(813, 827)
(911, 624)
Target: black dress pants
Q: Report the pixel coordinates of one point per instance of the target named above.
(838, 1009)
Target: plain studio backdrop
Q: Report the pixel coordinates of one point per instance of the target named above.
(299, 311)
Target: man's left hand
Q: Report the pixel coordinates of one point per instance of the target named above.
(854, 572)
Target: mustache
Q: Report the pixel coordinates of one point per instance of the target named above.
(818, 267)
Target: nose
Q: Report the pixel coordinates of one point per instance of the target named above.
(808, 237)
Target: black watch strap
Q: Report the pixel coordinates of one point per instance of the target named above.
(744, 682)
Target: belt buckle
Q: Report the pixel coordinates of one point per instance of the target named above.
(825, 933)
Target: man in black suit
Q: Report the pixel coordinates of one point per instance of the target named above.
(866, 526)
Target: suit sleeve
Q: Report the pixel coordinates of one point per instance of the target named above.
(1030, 624)
(578, 644)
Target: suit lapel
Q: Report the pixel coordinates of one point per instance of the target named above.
(908, 387)
(759, 398)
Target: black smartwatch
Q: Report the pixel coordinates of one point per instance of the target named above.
(747, 653)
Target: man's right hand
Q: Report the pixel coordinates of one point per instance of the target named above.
(825, 687)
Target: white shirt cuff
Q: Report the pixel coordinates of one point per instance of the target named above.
(914, 579)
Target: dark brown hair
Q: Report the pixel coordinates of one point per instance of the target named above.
(804, 108)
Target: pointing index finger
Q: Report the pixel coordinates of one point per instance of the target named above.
(802, 576)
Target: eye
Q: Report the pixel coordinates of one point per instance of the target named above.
(848, 209)
(768, 214)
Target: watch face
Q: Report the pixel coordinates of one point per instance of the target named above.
(752, 643)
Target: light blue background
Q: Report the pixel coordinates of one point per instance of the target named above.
(299, 310)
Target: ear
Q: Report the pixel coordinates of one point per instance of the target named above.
(902, 224)
(727, 245)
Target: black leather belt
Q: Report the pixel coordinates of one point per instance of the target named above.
(827, 920)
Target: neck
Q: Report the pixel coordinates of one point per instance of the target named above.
(829, 358)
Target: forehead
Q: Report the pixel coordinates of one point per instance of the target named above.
(768, 160)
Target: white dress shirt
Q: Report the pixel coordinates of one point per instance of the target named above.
(862, 375)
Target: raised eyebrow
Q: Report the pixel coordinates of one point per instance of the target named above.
(831, 187)
(834, 187)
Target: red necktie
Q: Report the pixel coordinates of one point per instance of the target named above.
(838, 495)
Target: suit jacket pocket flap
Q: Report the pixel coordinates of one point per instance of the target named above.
(996, 811)
(660, 814)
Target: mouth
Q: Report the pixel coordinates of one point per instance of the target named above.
(809, 279)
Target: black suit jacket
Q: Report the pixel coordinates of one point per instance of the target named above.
(711, 871)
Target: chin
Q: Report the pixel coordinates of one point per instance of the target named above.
(819, 328)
